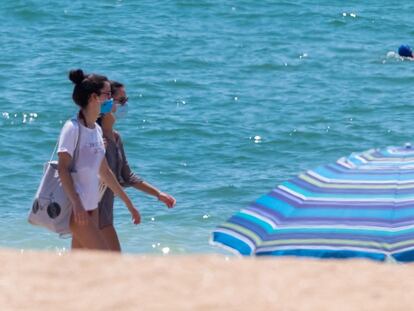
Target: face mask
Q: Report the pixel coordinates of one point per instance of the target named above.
(121, 111)
(106, 106)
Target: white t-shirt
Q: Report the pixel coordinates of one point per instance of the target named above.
(90, 154)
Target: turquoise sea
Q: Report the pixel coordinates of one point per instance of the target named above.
(227, 99)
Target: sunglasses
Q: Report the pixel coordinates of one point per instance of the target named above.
(122, 100)
(109, 94)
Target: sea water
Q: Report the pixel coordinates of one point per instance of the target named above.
(227, 100)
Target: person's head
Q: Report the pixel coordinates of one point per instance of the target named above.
(405, 51)
(90, 90)
(118, 92)
(120, 108)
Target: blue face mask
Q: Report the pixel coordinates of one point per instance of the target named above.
(121, 111)
(106, 106)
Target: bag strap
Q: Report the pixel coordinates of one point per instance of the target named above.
(76, 151)
(54, 151)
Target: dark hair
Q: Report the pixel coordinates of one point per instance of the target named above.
(85, 86)
(115, 86)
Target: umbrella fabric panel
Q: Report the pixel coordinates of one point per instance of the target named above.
(277, 207)
(360, 206)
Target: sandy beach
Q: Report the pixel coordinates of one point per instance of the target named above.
(104, 281)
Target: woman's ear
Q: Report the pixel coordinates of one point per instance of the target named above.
(94, 97)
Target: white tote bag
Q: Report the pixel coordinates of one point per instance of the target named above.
(51, 207)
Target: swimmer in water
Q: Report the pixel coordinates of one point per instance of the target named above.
(405, 51)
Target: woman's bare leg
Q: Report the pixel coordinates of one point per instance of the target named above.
(87, 236)
(111, 238)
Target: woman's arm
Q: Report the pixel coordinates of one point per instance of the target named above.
(64, 163)
(151, 190)
(109, 179)
(135, 181)
(128, 176)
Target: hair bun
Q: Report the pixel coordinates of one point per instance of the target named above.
(76, 76)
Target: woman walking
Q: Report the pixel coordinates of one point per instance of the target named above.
(117, 161)
(90, 93)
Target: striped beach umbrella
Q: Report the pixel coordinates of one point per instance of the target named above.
(359, 206)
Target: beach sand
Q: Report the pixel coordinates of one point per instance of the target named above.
(32, 280)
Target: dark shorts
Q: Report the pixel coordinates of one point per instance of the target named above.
(106, 210)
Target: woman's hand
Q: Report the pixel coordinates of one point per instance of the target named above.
(167, 199)
(136, 216)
